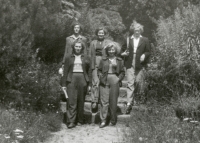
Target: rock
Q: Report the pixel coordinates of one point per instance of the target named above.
(69, 12)
(67, 5)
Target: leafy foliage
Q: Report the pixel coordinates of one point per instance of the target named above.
(103, 18)
(177, 70)
(22, 24)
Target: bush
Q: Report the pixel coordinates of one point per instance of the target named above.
(25, 80)
(100, 17)
(35, 127)
(156, 123)
(176, 71)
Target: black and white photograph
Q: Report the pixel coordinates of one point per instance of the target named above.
(100, 71)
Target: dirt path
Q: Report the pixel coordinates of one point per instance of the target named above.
(89, 134)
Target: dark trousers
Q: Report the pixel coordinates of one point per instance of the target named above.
(76, 91)
(109, 95)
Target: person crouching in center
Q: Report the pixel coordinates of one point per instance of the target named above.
(76, 79)
(110, 72)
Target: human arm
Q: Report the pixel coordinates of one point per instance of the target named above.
(145, 56)
(99, 72)
(122, 71)
(124, 49)
(67, 49)
(85, 42)
(65, 71)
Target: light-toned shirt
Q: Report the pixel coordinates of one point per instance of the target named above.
(135, 43)
(77, 64)
(112, 63)
(75, 38)
(135, 46)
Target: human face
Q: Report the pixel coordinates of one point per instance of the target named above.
(111, 52)
(77, 29)
(77, 48)
(137, 32)
(101, 34)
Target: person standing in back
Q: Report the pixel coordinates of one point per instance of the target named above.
(96, 52)
(136, 57)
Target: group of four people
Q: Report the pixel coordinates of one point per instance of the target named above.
(101, 69)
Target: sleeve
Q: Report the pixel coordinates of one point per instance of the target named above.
(85, 41)
(122, 71)
(99, 72)
(90, 72)
(147, 50)
(67, 47)
(65, 73)
(92, 55)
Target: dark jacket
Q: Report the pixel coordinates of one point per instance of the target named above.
(143, 48)
(92, 51)
(68, 47)
(104, 67)
(69, 65)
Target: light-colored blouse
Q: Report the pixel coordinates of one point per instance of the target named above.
(77, 64)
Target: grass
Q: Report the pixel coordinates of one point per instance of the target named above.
(34, 127)
(155, 123)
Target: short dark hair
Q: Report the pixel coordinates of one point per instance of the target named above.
(100, 28)
(74, 43)
(109, 46)
(74, 24)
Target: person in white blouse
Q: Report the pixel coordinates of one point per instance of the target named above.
(136, 57)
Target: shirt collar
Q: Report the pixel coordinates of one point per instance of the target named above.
(74, 37)
(73, 55)
(132, 37)
(106, 58)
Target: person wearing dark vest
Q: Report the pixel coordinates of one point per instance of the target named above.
(76, 80)
(77, 30)
(96, 51)
(111, 72)
(136, 58)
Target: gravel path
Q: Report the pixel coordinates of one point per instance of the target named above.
(89, 134)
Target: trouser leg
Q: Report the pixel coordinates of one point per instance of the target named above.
(82, 90)
(95, 86)
(72, 102)
(104, 92)
(130, 84)
(114, 93)
(140, 85)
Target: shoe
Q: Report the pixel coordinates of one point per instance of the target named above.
(112, 124)
(71, 125)
(79, 124)
(103, 124)
(128, 109)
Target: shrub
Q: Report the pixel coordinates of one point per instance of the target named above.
(177, 55)
(157, 123)
(35, 127)
(100, 17)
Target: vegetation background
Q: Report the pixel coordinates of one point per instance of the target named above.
(32, 41)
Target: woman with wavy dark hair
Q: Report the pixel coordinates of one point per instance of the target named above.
(111, 72)
(96, 52)
(75, 81)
